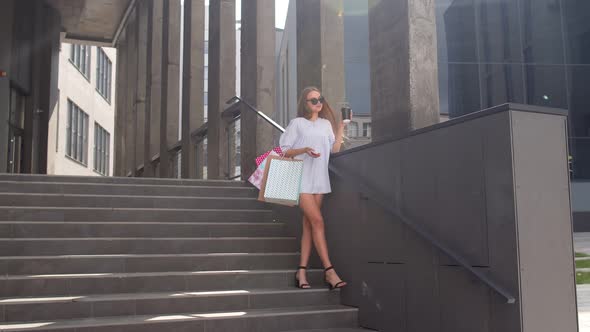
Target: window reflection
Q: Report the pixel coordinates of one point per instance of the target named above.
(541, 31)
(546, 86)
(463, 87)
(524, 51)
(499, 33)
(501, 84)
(577, 30)
(459, 30)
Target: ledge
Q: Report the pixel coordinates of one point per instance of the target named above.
(469, 117)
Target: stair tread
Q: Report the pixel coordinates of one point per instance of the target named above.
(157, 295)
(180, 317)
(152, 255)
(220, 238)
(97, 184)
(44, 195)
(148, 274)
(336, 330)
(138, 223)
(127, 208)
(70, 178)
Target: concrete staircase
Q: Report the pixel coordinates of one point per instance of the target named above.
(119, 254)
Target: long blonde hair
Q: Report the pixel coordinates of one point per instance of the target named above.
(326, 112)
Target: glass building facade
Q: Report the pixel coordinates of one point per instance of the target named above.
(523, 51)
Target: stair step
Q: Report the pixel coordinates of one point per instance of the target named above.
(335, 330)
(126, 189)
(113, 246)
(107, 214)
(24, 265)
(100, 254)
(138, 229)
(114, 201)
(256, 320)
(110, 305)
(119, 180)
(110, 283)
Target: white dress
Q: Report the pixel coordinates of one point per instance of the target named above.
(318, 135)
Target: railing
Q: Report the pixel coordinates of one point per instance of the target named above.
(232, 115)
(199, 137)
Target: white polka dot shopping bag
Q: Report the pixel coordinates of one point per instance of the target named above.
(282, 181)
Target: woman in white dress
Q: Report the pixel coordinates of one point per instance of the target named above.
(311, 137)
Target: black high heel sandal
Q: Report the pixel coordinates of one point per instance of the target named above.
(297, 284)
(339, 284)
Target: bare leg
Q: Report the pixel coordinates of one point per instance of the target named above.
(306, 243)
(311, 209)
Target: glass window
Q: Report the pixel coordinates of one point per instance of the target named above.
(501, 84)
(463, 89)
(541, 31)
(353, 129)
(80, 58)
(16, 132)
(456, 30)
(546, 86)
(103, 74)
(577, 30)
(499, 31)
(102, 140)
(367, 129)
(579, 103)
(77, 134)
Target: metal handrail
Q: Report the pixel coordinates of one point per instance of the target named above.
(235, 100)
(378, 198)
(233, 112)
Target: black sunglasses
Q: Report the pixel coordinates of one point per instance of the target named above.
(315, 101)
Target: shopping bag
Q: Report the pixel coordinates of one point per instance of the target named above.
(256, 177)
(277, 151)
(281, 183)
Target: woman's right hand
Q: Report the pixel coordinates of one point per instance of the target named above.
(311, 152)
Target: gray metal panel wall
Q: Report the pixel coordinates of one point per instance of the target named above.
(491, 187)
(544, 222)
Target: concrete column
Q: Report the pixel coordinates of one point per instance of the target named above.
(257, 79)
(222, 77)
(170, 83)
(140, 100)
(156, 83)
(148, 170)
(192, 82)
(120, 109)
(404, 83)
(33, 102)
(49, 91)
(131, 90)
(44, 74)
(5, 65)
(320, 49)
(332, 40)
